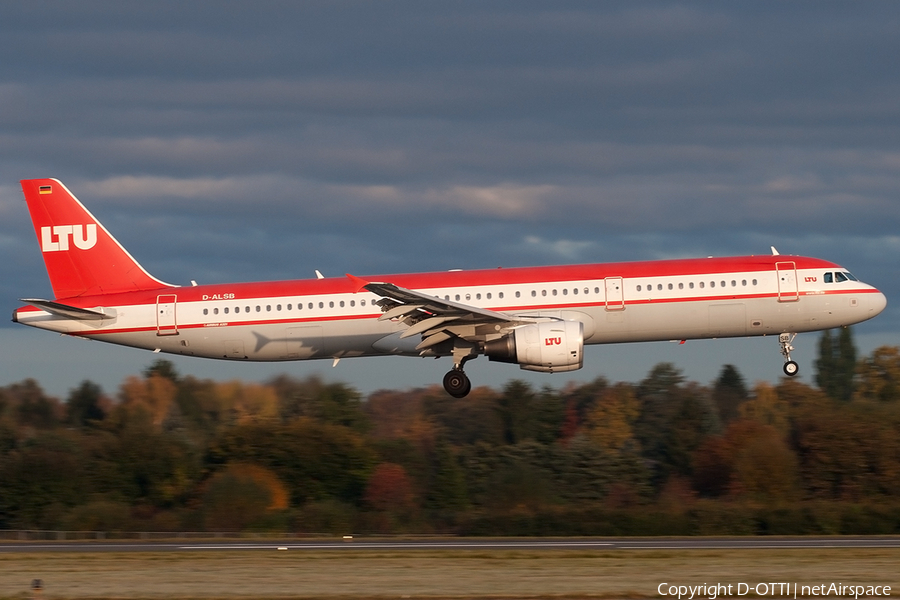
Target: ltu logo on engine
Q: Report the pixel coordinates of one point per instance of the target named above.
(555, 341)
(83, 236)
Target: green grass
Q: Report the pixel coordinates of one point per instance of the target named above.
(424, 573)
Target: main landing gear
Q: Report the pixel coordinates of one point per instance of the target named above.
(790, 367)
(456, 382)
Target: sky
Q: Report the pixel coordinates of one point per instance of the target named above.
(251, 141)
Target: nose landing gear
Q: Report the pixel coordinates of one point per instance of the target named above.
(790, 367)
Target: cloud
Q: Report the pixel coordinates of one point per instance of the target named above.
(241, 142)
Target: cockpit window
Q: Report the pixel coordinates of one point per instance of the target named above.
(839, 277)
(850, 277)
(829, 278)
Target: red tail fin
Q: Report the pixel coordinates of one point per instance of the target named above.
(82, 258)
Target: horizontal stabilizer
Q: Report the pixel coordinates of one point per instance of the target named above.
(72, 312)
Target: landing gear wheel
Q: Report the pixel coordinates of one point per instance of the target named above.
(784, 340)
(791, 368)
(457, 383)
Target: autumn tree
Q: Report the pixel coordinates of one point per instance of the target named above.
(334, 403)
(247, 401)
(729, 393)
(136, 461)
(85, 405)
(750, 459)
(28, 405)
(242, 495)
(470, 420)
(40, 478)
(525, 414)
(836, 364)
(674, 419)
(154, 395)
(879, 376)
(849, 451)
(610, 422)
(767, 407)
(315, 460)
(390, 489)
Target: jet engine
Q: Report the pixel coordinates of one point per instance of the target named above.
(548, 347)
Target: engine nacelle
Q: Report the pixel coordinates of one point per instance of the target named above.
(549, 347)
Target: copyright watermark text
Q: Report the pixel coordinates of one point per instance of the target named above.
(779, 589)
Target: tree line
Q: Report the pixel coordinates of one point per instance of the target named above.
(661, 456)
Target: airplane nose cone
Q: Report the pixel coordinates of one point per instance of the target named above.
(877, 303)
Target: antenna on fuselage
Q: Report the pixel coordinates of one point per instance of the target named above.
(774, 251)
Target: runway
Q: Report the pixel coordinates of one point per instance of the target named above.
(370, 544)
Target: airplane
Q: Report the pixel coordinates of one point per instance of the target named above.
(537, 317)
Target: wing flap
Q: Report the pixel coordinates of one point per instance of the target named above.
(438, 319)
(425, 325)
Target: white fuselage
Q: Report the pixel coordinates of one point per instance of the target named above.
(243, 322)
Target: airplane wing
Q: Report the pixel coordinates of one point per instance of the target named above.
(437, 319)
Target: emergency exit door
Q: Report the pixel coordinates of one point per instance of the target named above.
(787, 281)
(165, 315)
(615, 297)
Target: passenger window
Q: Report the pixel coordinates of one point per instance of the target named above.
(342, 304)
(278, 307)
(488, 295)
(205, 311)
(456, 297)
(733, 283)
(639, 287)
(331, 304)
(225, 310)
(258, 308)
(744, 282)
(691, 285)
(215, 311)
(702, 285)
(543, 292)
(353, 303)
(500, 295)
(712, 284)
(321, 305)
(680, 286)
(554, 292)
(659, 287)
(670, 286)
(268, 308)
(533, 293)
(478, 296)
(575, 291)
(754, 282)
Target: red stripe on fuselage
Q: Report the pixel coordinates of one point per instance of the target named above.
(461, 279)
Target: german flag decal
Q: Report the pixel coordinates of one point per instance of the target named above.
(45, 189)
